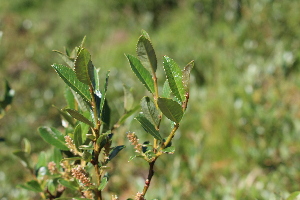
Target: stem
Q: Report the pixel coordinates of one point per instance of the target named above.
(96, 146)
(148, 180)
(170, 137)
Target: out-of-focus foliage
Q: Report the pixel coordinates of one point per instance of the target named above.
(240, 136)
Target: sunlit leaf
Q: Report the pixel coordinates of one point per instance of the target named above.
(294, 196)
(186, 75)
(53, 137)
(141, 72)
(150, 111)
(171, 109)
(103, 183)
(79, 117)
(73, 185)
(69, 77)
(146, 54)
(84, 67)
(148, 126)
(174, 76)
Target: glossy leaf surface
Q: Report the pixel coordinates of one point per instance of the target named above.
(69, 77)
(174, 76)
(171, 109)
(141, 72)
(146, 54)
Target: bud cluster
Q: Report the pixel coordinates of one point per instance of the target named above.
(135, 142)
(80, 174)
(52, 167)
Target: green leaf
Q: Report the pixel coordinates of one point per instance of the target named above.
(146, 54)
(53, 137)
(80, 117)
(84, 67)
(57, 157)
(128, 114)
(73, 185)
(32, 186)
(103, 97)
(86, 156)
(41, 160)
(150, 111)
(141, 72)
(103, 183)
(169, 150)
(69, 61)
(69, 77)
(171, 109)
(8, 97)
(294, 196)
(174, 76)
(66, 116)
(78, 136)
(186, 75)
(145, 34)
(148, 126)
(69, 98)
(27, 145)
(115, 151)
(166, 91)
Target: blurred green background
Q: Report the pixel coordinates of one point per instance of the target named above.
(240, 136)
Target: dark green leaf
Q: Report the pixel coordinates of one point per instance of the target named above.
(78, 136)
(150, 111)
(79, 117)
(32, 186)
(174, 76)
(103, 97)
(84, 67)
(73, 185)
(105, 118)
(69, 77)
(8, 97)
(86, 156)
(115, 151)
(148, 126)
(53, 137)
(141, 72)
(103, 183)
(171, 109)
(146, 54)
(186, 75)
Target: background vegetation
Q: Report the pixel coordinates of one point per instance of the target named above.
(240, 136)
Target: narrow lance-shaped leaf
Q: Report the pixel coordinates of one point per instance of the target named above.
(115, 151)
(53, 137)
(103, 183)
(146, 54)
(174, 76)
(77, 136)
(186, 75)
(171, 109)
(32, 186)
(141, 72)
(84, 67)
(148, 126)
(69, 77)
(79, 117)
(150, 111)
(103, 97)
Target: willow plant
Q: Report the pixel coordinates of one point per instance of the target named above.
(81, 156)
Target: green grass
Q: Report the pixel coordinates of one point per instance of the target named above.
(239, 138)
